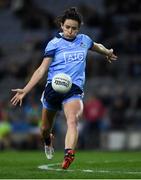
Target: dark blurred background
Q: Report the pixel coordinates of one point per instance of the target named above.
(112, 111)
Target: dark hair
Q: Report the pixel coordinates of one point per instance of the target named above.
(70, 13)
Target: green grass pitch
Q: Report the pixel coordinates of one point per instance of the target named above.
(87, 165)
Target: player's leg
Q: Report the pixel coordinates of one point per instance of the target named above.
(46, 131)
(73, 111)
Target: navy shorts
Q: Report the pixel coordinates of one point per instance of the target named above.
(53, 100)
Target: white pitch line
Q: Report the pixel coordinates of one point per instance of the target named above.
(50, 168)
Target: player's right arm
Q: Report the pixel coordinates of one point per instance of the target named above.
(37, 75)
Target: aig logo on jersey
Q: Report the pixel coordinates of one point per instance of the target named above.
(74, 56)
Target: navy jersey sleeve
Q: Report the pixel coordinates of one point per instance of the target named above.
(50, 50)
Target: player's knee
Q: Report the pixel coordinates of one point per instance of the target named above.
(72, 123)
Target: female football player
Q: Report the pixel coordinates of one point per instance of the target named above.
(65, 53)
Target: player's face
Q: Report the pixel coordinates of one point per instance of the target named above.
(70, 28)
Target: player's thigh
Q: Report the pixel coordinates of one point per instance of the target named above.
(73, 109)
(48, 117)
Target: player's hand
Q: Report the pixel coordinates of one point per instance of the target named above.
(111, 56)
(18, 98)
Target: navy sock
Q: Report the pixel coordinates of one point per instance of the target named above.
(47, 141)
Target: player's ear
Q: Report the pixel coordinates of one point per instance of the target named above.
(62, 25)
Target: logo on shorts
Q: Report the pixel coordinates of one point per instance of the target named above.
(74, 56)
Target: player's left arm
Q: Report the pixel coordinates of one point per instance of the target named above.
(108, 53)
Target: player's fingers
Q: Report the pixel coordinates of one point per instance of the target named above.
(17, 90)
(108, 59)
(15, 102)
(20, 102)
(113, 58)
(14, 90)
(13, 99)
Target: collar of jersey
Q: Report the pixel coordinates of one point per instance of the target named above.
(59, 35)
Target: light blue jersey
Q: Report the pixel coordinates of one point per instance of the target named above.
(69, 56)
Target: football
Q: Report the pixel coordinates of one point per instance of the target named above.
(61, 83)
